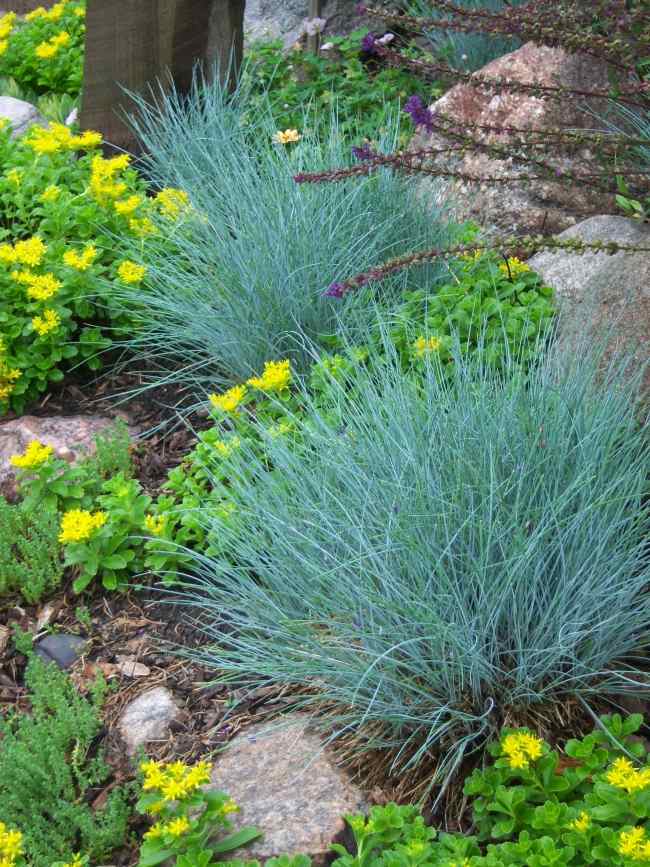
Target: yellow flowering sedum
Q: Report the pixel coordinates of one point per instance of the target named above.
(276, 376)
(175, 781)
(126, 207)
(520, 748)
(633, 844)
(40, 287)
(425, 345)
(80, 261)
(623, 775)
(513, 267)
(78, 525)
(230, 400)
(7, 24)
(154, 524)
(51, 193)
(581, 823)
(172, 202)
(131, 272)
(35, 454)
(289, 136)
(11, 845)
(49, 321)
(28, 252)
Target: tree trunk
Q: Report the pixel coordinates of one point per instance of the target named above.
(132, 43)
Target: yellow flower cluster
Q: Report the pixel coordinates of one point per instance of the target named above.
(520, 748)
(513, 267)
(172, 202)
(35, 454)
(58, 137)
(624, 775)
(6, 26)
(229, 400)
(29, 252)
(8, 375)
(276, 376)
(78, 525)
(289, 136)
(49, 321)
(154, 524)
(103, 185)
(80, 261)
(54, 13)
(131, 272)
(40, 287)
(227, 447)
(175, 828)
(47, 50)
(424, 345)
(51, 193)
(11, 846)
(581, 823)
(174, 780)
(126, 207)
(634, 844)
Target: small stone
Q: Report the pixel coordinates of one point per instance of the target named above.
(61, 648)
(287, 786)
(130, 667)
(148, 718)
(70, 436)
(20, 114)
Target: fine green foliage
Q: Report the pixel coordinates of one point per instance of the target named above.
(48, 767)
(44, 51)
(61, 220)
(243, 280)
(295, 80)
(456, 547)
(30, 555)
(192, 825)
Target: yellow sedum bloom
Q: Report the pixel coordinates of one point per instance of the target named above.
(15, 177)
(513, 267)
(581, 823)
(11, 845)
(172, 202)
(131, 272)
(80, 261)
(40, 287)
(174, 781)
(623, 775)
(227, 447)
(78, 525)
(7, 24)
(633, 844)
(289, 136)
(230, 400)
(154, 524)
(35, 454)
(178, 827)
(520, 748)
(426, 345)
(39, 12)
(49, 321)
(276, 376)
(127, 206)
(142, 227)
(51, 193)
(29, 252)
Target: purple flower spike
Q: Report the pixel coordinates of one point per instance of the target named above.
(335, 290)
(368, 44)
(364, 152)
(420, 114)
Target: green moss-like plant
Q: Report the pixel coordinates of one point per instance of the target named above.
(30, 555)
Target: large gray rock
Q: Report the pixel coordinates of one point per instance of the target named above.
(515, 207)
(600, 293)
(287, 786)
(284, 18)
(20, 114)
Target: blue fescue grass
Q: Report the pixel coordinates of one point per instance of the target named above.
(446, 555)
(244, 281)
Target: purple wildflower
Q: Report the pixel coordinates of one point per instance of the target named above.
(335, 290)
(368, 44)
(364, 152)
(420, 114)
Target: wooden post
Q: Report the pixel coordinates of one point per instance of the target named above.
(313, 42)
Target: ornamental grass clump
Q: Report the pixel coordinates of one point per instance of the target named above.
(442, 554)
(242, 281)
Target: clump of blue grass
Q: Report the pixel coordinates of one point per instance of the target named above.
(466, 52)
(243, 281)
(441, 554)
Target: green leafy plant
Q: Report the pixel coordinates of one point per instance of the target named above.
(44, 51)
(188, 816)
(49, 765)
(30, 554)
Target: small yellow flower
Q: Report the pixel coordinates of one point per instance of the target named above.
(581, 823)
(15, 176)
(172, 202)
(30, 252)
(227, 447)
(127, 206)
(142, 227)
(39, 12)
(51, 193)
(276, 376)
(3, 47)
(130, 272)
(46, 50)
(7, 254)
(40, 287)
(79, 11)
(154, 524)
(630, 843)
(7, 24)
(229, 400)
(513, 267)
(289, 136)
(87, 140)
(56, 11)
(49, 321)
(520, 748)
(425, 345)
(78, 525)
(80, 261)
(155, 832)
(229, 807)
(154, 775)
(178, 827)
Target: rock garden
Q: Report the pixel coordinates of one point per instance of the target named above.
(324, 457)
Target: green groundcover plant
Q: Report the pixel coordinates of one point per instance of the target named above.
(64, 222)
(44, 51)
(457, 545)
(48, 767)
(30, 555)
